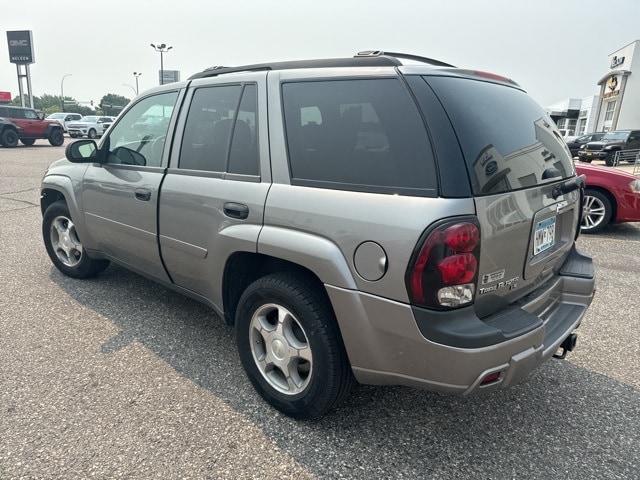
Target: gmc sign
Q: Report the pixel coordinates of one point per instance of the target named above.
(21, 47)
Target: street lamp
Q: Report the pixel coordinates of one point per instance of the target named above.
(162, 48)
(131, 87)
(137, 74)
(62, 89)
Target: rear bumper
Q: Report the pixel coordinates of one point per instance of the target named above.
(386, 345)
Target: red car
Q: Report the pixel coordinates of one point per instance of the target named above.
(27, 125)
(611, 196)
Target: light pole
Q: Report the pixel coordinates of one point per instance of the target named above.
(162, 48)
(62, 89)
(131, 87)
(137, 74)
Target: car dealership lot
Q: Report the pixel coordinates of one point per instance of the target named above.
(117, 377)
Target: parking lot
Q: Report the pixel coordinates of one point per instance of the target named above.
(117, 377)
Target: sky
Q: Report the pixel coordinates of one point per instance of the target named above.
(555, 49)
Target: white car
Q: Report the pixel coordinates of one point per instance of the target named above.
(92, 126)
(64, 118)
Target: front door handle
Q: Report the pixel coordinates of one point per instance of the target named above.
(143, 194)
(236, 210)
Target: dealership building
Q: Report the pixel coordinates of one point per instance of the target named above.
(616, 107)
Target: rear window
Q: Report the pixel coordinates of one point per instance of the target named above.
(508, 141)
(362, 135)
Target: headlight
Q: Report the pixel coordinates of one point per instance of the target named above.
(635, 186)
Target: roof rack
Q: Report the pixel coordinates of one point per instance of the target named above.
(406, 56)
(369, 58)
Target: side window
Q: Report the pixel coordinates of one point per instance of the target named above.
(30, 115)
(364, 135)
(139, 136)
(17, 113)
(243, 157)
(221, 131)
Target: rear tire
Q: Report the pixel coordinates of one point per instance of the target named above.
(597, 211)
(290, 345)
(56, 138)
(9, 138)
(63, 245)
(28, 141)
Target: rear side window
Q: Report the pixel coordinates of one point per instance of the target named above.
(221, 131)
(17, 113)
(363, 135)
(508, 141)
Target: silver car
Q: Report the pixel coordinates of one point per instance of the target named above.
(355, 219)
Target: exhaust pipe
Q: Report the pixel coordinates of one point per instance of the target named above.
(567, 346)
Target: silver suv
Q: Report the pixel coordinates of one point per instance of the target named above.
(356, 219)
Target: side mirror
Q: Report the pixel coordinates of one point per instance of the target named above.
(82, 151)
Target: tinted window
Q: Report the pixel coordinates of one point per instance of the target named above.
(139, 136)
(508, 141)
(16, 113)
(364, 135)
(221, 131)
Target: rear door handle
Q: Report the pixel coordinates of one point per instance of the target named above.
(236, 210)
(143, 194)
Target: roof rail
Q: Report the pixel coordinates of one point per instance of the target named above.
(406, 56)
(356, 61)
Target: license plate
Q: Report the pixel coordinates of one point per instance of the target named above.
(544, 236)
(589, 154)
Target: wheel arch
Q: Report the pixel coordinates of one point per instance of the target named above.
(51, 128)
(244, 268)
(59, 188)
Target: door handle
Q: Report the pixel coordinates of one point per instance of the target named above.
(236, 210)
(143, 194)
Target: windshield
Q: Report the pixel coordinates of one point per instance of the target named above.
(614, 136)
(89, 119)
(508, 141)
(56, 115)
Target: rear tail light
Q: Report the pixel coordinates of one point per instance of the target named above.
(443, 272)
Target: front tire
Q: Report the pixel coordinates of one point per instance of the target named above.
(290, 345)
(608, 160)
(597, 211)
(92, 133)
(63, 245)
(9, 138)
(56, 138)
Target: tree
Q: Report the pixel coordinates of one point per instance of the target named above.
(112, 104)
(48, 104)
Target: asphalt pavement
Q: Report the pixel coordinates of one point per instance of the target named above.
(117, 377)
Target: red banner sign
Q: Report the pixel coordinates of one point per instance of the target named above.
(5, 96)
